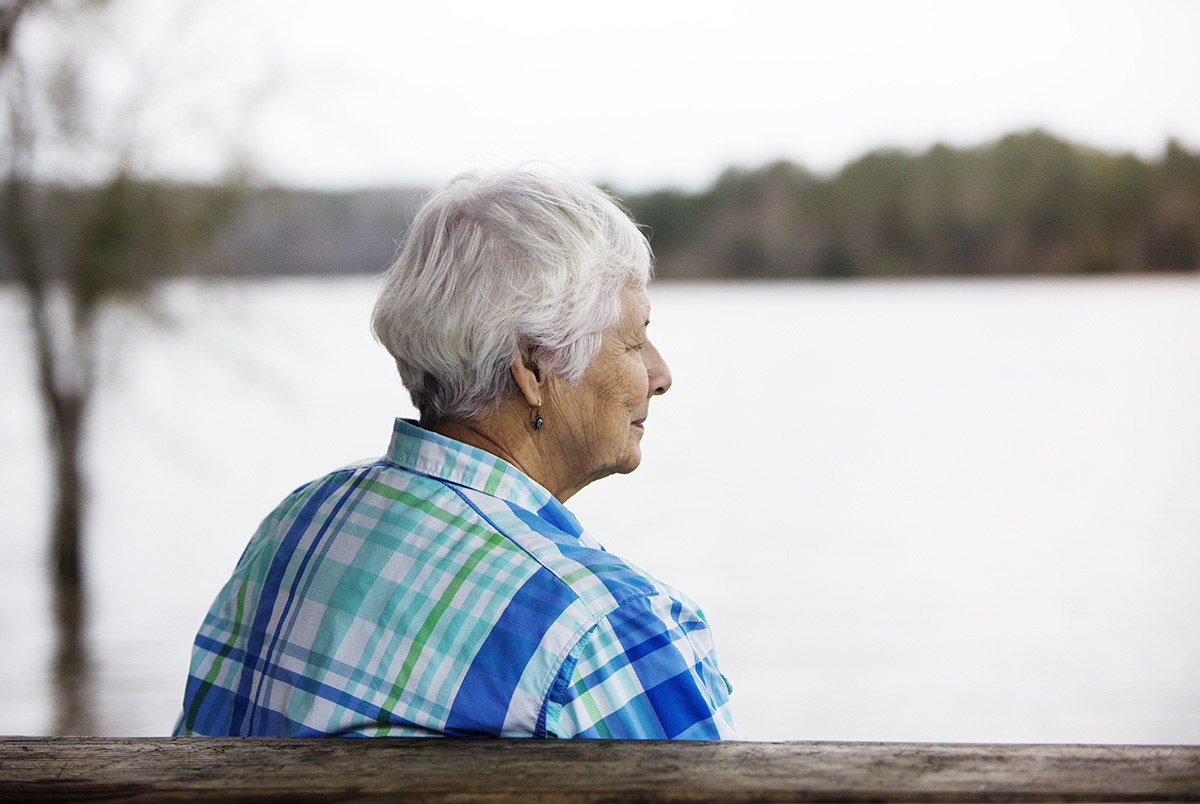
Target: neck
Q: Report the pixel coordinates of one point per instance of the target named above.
(508, 435)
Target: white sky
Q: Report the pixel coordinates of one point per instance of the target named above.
(349, 93)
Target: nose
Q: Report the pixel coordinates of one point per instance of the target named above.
(658, 371)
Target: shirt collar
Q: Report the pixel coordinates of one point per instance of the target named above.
(434, 455)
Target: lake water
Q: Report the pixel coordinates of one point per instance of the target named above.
(930, 511)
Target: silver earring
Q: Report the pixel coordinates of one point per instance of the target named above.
(535, 417)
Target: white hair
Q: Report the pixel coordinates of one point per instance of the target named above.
(496, 265)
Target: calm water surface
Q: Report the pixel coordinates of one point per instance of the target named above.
(935, 511)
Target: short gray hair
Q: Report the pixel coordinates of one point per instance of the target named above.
(496, 264)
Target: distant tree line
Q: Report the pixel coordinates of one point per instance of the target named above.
(1027, 204)
(246, 231)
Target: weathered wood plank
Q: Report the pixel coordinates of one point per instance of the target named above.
(501, 771)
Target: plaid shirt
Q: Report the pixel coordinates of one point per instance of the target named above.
(439, 591)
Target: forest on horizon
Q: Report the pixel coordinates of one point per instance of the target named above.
(1026, 204)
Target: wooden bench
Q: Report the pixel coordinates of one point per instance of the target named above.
(539, 771)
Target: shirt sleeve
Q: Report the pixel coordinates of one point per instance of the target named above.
(646, 671)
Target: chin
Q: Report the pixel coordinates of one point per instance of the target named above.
(632, 461)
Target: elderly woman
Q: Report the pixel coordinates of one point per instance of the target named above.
(444, 589)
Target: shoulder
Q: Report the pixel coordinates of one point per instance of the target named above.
(598, 580)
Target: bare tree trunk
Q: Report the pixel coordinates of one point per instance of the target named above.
(64, 380)
(66, 550)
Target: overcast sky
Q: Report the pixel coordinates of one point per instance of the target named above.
(350, 93)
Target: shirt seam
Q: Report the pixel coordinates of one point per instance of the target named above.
(597, 614)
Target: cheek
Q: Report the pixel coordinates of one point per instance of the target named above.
(631, 389)
(626, 386)
(640, 384)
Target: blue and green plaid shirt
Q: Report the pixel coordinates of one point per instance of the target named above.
(439, 591)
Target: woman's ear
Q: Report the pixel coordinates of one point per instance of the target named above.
(530, 378)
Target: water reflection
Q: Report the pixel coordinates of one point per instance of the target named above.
(991, 532)
(74, 698)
